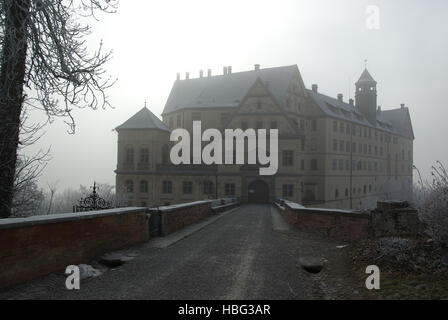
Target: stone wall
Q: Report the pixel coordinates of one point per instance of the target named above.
(395, 218)
(389, 219)
(176, 217)
(340, 224)
(36, 246)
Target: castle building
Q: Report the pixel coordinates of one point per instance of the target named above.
(331, 153)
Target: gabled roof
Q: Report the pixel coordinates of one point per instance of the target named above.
(144, 119)
(344, 111)
(227, 90)
(366, 77)
(400, 119)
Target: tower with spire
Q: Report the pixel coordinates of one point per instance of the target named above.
(366, 96)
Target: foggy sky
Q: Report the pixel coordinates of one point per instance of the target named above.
(328, 40)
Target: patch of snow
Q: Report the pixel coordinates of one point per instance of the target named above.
(87, 271)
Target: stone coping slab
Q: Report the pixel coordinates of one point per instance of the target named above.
(9, 223)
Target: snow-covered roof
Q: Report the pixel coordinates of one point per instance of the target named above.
(144, 119)
(227, 90)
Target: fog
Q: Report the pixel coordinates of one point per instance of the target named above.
(328, 40)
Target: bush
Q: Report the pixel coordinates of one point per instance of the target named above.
(432, 202)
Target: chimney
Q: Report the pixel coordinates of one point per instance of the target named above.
(351, 102)
(201, 73)
(229, 70)
(314, 88)
(178, 76)
(224, 72)
(402, 106)
(257, 67)
(187, 75)
(340, 97)
(209, 73)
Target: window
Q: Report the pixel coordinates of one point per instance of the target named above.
(354, 147)
(365, 148)
(313, 164)
(144, 155)
(376, 150)
(370, 149)
(259, 105)
(302, 164)
(381, 151)
(347, 165)
(229, 189)
(313, 125)
(335, 126)
(187, 187)
(341, 127)
(129, 186)
(341, 164)
(178, 120)
(129, 155)
(302, 124)
(167, 187)
(208, 187)
(347, 129)
(365, 189)
(335, 164)
(288, 190)
(336, 193)
(143, 186)
(341, 146)
(346, 192)
(288, 158)
(335, 145)
(347, 146)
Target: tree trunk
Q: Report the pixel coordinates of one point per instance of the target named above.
(12, 75)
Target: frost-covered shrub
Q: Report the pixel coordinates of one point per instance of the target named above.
(432, 202)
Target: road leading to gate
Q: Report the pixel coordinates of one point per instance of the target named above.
(246, 254)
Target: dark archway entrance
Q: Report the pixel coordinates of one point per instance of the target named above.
(258, 192)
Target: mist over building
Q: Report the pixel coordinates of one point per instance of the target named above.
(332, 153)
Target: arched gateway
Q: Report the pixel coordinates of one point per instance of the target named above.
(258, 192)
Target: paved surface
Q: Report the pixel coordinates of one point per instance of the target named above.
(249, 253)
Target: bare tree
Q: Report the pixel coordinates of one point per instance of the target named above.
(43, 50)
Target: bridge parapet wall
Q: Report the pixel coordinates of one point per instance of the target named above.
(38, 245)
